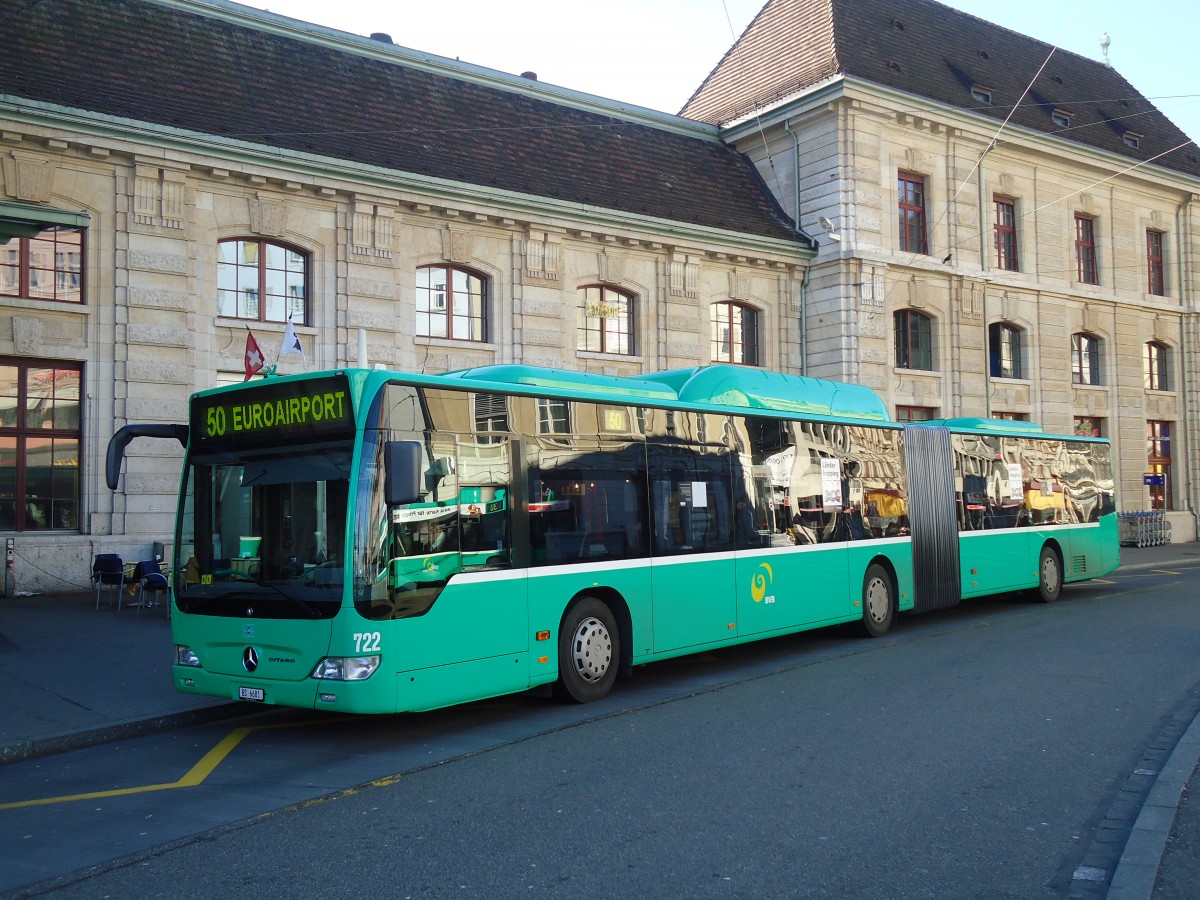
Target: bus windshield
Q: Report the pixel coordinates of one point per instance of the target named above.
(262, 535)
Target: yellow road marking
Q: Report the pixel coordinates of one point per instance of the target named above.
(212, 759)
(194, 776)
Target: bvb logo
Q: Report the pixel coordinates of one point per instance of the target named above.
(759, 583)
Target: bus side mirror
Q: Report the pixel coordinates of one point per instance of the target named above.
(402, 472)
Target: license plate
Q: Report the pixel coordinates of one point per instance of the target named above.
(252, 694)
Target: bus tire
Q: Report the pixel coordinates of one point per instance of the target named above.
(878, 601)
(589, 652)
(1050, 580)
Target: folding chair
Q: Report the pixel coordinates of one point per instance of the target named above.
(108, 573)
(151, 580)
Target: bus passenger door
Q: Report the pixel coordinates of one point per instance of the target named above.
(693, 569)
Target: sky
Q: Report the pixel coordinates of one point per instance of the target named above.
(655, 53)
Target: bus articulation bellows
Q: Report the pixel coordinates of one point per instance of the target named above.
(370, 541)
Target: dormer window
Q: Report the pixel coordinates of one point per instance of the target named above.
(1061, 118)
(1132, 139)
(982, 95)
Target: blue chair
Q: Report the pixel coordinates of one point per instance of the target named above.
(108, 573)
(152, 581)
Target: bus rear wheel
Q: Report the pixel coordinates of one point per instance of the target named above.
(878, 601)
(1049, 575)
(589, 650)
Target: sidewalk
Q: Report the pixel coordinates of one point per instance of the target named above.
(73, 676)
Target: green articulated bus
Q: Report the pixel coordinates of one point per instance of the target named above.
(371, 541)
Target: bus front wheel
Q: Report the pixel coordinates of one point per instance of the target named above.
(589, 650)
(878, 601)
(1049, 575)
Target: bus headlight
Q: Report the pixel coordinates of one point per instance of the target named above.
(346, 668)
(186, 656)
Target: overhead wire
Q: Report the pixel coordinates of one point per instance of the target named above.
(757, 117)
(991, 143)
(974, 236)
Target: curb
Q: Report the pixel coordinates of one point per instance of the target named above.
(89, 737)
(1137, 872)
(1180, 561)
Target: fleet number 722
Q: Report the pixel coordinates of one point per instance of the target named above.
(366, 642)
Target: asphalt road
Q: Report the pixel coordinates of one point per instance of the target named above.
(987, 751)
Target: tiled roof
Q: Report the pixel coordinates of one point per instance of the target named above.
(930, 50)
(205, 73)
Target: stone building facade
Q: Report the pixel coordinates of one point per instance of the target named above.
(148, 139)
(1046, 246)
(156, 205)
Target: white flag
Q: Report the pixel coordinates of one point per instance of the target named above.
(291, 341)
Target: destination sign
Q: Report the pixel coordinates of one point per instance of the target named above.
(270, 412)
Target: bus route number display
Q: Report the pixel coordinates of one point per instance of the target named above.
(296, 410)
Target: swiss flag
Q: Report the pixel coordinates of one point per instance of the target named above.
(254, 357)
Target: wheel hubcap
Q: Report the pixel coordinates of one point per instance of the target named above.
(877, 600)
(591, 651)
(1050, 573)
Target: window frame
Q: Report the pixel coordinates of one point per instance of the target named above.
(478, 320)
(1005, 336)
(1005, 225)
(490, 415)
(1156, 283)
(1086, 265)
(748, 327)
(1158, 462)
(624, 332)
(982, 95)
(1156, 366)
(262, 267)
(912, 212)
(906, 413)
(22, 433)
(554, 419)
(903, 336)
(25, 249)
(1086, 361)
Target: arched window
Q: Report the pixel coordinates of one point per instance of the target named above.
(1157, 367)
(1085, 358)
(1004, 350)
(914, 340)
(452, 303)
(262, 281)
(734, 334)
(605, 320)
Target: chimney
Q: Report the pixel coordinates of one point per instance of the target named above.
(382, 36)
(532, 76)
